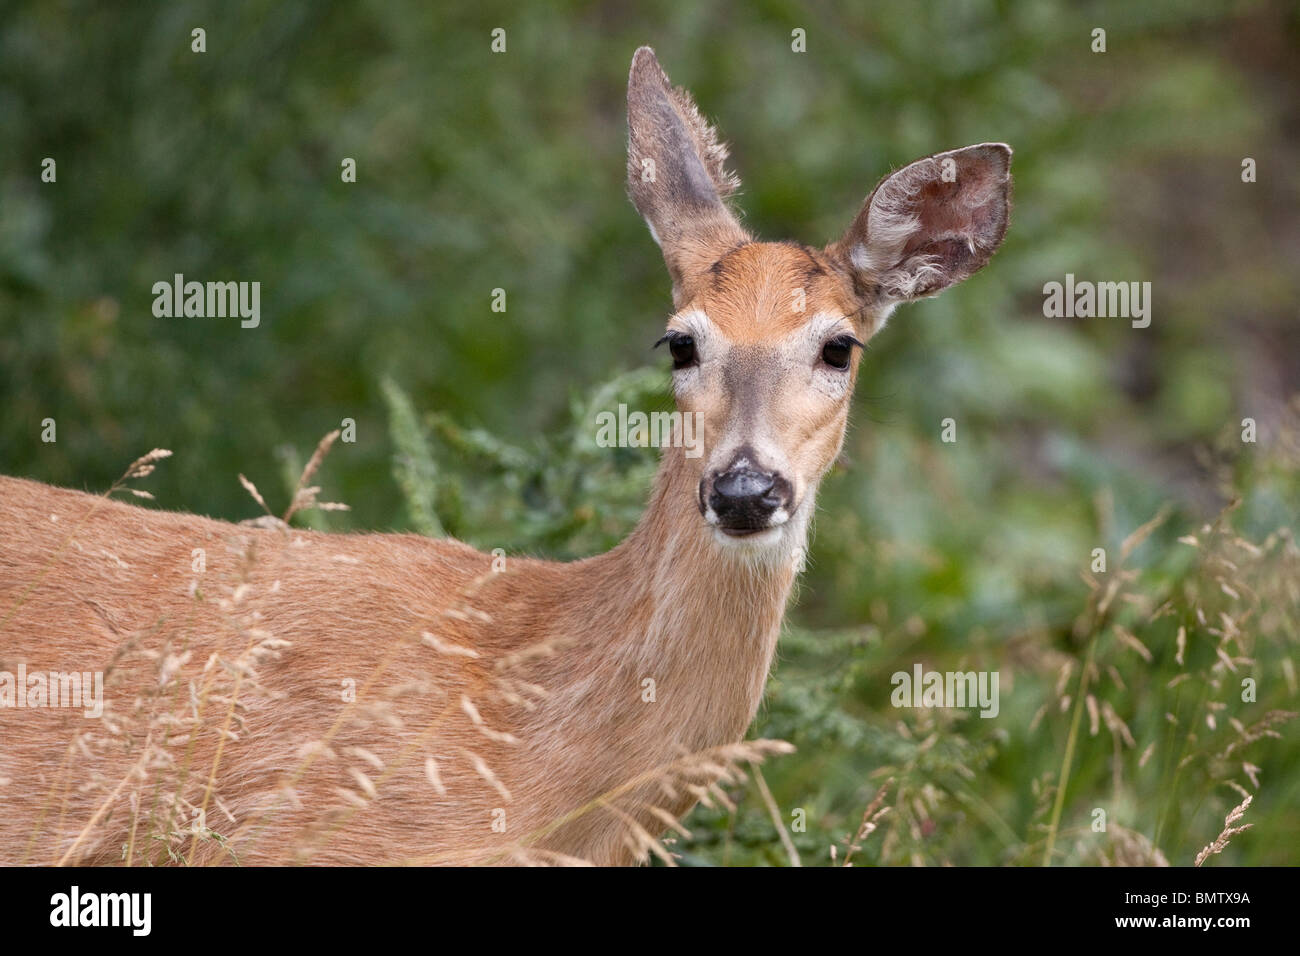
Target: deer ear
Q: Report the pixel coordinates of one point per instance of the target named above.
(676, 172)
(929, 225)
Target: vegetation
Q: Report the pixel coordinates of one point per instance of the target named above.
(1121, 690)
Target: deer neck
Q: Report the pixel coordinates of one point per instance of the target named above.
(697, 617)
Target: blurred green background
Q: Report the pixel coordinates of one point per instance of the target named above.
(479, 171)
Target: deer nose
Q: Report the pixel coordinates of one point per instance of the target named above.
(743, 484)
(745, 498)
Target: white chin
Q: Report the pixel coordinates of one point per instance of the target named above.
(755, 540)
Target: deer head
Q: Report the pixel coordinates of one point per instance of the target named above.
(766, 338)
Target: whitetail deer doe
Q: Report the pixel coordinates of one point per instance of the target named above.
(498, 715)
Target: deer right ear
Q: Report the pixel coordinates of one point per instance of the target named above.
(676, 172)
(929, 225)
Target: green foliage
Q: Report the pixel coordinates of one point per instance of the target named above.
(413, 467)
(481, 171)
(561, 495)
(1135, 674)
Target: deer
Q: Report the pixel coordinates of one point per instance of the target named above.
(282, 695)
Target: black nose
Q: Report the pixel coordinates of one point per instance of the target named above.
(745, 498)
(742, 484)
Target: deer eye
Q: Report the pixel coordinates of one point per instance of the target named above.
(837, 352)
(681, 347)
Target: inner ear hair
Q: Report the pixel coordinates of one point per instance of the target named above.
(930, 224)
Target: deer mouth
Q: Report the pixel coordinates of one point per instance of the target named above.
(744, 527)
(745, 532)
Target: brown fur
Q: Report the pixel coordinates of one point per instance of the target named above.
(525, 693)
(353, 606)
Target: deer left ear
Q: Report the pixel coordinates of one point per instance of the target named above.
(929, 225)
